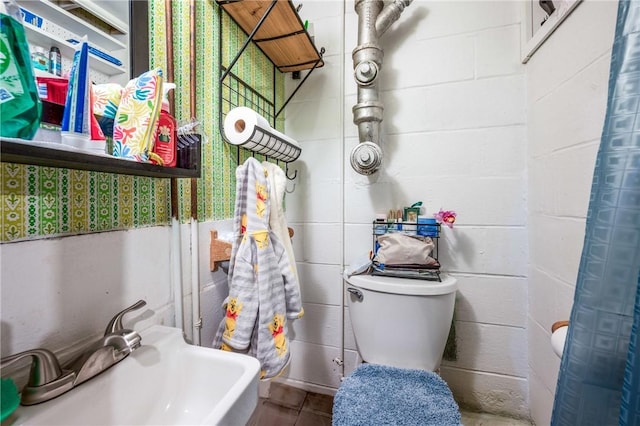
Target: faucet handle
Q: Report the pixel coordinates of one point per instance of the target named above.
(46, 379)
(45, 367)
(116, 322)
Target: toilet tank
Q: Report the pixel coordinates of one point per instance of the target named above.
(401, 322)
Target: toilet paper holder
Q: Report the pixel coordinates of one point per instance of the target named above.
(559, 336)
(556, 325)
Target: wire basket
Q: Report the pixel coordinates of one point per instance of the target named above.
(412, 229)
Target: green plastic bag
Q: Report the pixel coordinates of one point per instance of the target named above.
(20, 106)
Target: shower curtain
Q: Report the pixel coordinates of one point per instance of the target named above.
(599, 377)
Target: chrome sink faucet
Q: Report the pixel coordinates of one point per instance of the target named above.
(47, 379)
(117, 343)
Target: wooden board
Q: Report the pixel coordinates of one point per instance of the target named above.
(282, 36)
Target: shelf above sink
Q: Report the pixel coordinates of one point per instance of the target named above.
(57, 155)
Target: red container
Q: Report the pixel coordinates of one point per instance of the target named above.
(166, 137)
(53, 90)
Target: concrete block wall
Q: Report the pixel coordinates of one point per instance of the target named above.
(454, 137)
(567, 93)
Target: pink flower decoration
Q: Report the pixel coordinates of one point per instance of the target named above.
(447, 217)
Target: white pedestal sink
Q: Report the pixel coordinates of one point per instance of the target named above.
(164, 382)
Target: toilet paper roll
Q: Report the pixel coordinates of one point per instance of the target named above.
(558, 338)
(245, 127)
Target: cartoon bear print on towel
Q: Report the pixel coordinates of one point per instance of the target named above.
(262, 239)
(234, 306)
(262, 194)
(243, 224)
(277, 331)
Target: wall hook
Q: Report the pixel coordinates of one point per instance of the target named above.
(286, 172)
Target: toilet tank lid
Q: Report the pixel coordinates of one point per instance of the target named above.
(405, 285)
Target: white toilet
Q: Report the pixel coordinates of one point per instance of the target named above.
(401, 322)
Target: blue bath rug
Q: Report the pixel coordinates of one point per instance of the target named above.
(381, 395)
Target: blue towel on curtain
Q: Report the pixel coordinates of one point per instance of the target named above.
(592, 372)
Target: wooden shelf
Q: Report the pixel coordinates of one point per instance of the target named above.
(57, 155)
(220, 251)
(282, 36)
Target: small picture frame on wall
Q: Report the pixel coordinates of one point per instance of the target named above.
(411, 214)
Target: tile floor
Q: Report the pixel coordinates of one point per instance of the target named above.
(289, 406)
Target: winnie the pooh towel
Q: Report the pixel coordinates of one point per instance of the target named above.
(263, 288)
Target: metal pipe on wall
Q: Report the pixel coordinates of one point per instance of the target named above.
(343, 230)
(176, 246)
(374, 18)
(196, 322)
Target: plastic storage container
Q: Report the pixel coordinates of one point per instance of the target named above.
(166, 140)
(428, 227)
(380, 225)
(20, 107)
(40, 59)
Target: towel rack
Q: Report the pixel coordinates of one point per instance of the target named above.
(220, 250)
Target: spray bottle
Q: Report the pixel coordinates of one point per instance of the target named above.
(166, 139)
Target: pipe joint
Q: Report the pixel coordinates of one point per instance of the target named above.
(366, 73)
(368, 52)
(367, 111)
(390, 14)
(366, 158)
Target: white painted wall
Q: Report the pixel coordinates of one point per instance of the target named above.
(455, 137)
(567, 92)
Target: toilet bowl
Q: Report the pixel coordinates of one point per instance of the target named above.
(401, 322)
(401, 327)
